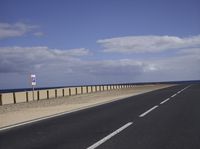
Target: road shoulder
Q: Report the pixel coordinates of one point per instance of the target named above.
(36, 110)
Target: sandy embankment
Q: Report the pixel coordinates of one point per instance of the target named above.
(16, 113)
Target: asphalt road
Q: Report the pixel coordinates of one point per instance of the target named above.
(164, 119)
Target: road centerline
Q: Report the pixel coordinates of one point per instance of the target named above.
(178, 92)
(95, 145)
(148, 111)
(174, 95)
(165, 101)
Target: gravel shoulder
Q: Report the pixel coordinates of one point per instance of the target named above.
(16, 113)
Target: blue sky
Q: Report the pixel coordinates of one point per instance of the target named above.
(98, 41)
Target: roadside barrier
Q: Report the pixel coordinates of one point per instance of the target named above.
(27, 96)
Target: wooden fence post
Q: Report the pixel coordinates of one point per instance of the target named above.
(95, 88)
(14, 98)
(63, 92)
(91, 89)
(87, 89)
(38, 95)
(26, 96)
(47, 94)
(56, 95)
(69, 91)
(1, 100)
(81, 90)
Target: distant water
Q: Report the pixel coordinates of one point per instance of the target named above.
(140, 83)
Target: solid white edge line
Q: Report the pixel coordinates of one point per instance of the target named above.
(95, 145)
(165, 101)
(145, 113)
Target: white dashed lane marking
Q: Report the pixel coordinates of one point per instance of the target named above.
(145, 113)
(165, 100)
(95, 145)
(174, 95)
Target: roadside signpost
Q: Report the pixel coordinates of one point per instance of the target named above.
(33, 83)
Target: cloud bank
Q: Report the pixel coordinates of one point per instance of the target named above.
(57, 67)
(150, 44)
(25, 59)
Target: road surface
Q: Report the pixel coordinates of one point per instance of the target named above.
(164, 119)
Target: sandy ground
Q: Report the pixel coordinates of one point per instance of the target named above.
(16, 113)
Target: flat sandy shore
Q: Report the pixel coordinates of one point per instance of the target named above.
(16, 113)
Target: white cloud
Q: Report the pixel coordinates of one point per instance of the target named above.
(55, 67)
(182, 67)
(24, 59)
(191, 51)
(70, 67)
(77, 52)
(60, 67)
(114, 68)
(142, 44)
(16, 30)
